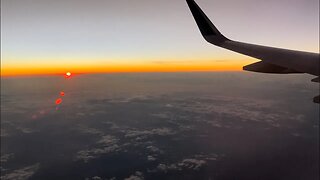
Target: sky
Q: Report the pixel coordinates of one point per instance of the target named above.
(96, 36)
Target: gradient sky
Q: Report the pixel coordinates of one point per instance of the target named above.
(45, 36)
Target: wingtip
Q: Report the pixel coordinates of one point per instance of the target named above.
(206, 27)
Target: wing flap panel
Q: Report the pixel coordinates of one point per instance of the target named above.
(263, 67)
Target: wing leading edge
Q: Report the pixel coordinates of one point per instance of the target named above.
(273, 60)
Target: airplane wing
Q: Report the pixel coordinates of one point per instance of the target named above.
(273, 60)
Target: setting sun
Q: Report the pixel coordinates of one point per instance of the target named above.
(68, 75)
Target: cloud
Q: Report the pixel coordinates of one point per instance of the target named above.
(88, 130)
(162, 167)
(7, 128)
(151, 158)
(157, 131)
(154, 149)
(107, 140)
(263, 111)
(25, 130)
(165, 168)
(100, 178)
(136, 98)
(160, 115)
(93, 153)
(4, 132)
(194, 164)
(106, 144)
(96, 178)
(136, 176)
(21, 174)
(6, 157)
(209, 157)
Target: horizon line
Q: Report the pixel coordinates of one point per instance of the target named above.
(114, 72)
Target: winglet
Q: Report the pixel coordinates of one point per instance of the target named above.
(207, 29)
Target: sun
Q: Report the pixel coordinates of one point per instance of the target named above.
(68, 74)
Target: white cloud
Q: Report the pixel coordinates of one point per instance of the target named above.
(107, 140)
(165, 168)
(96, 178)
(157, 131)
(6, 157)
(106, 144)
(151, 158)
(93, 153)
(162, 167)
(242, 109)
(208, 157)
(137, 176)
(22, 174)
(88, 130)
(100, 178)
(154, 149)
(25, 130)
(192, 164)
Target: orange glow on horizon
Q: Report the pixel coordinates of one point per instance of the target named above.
(125, 68)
